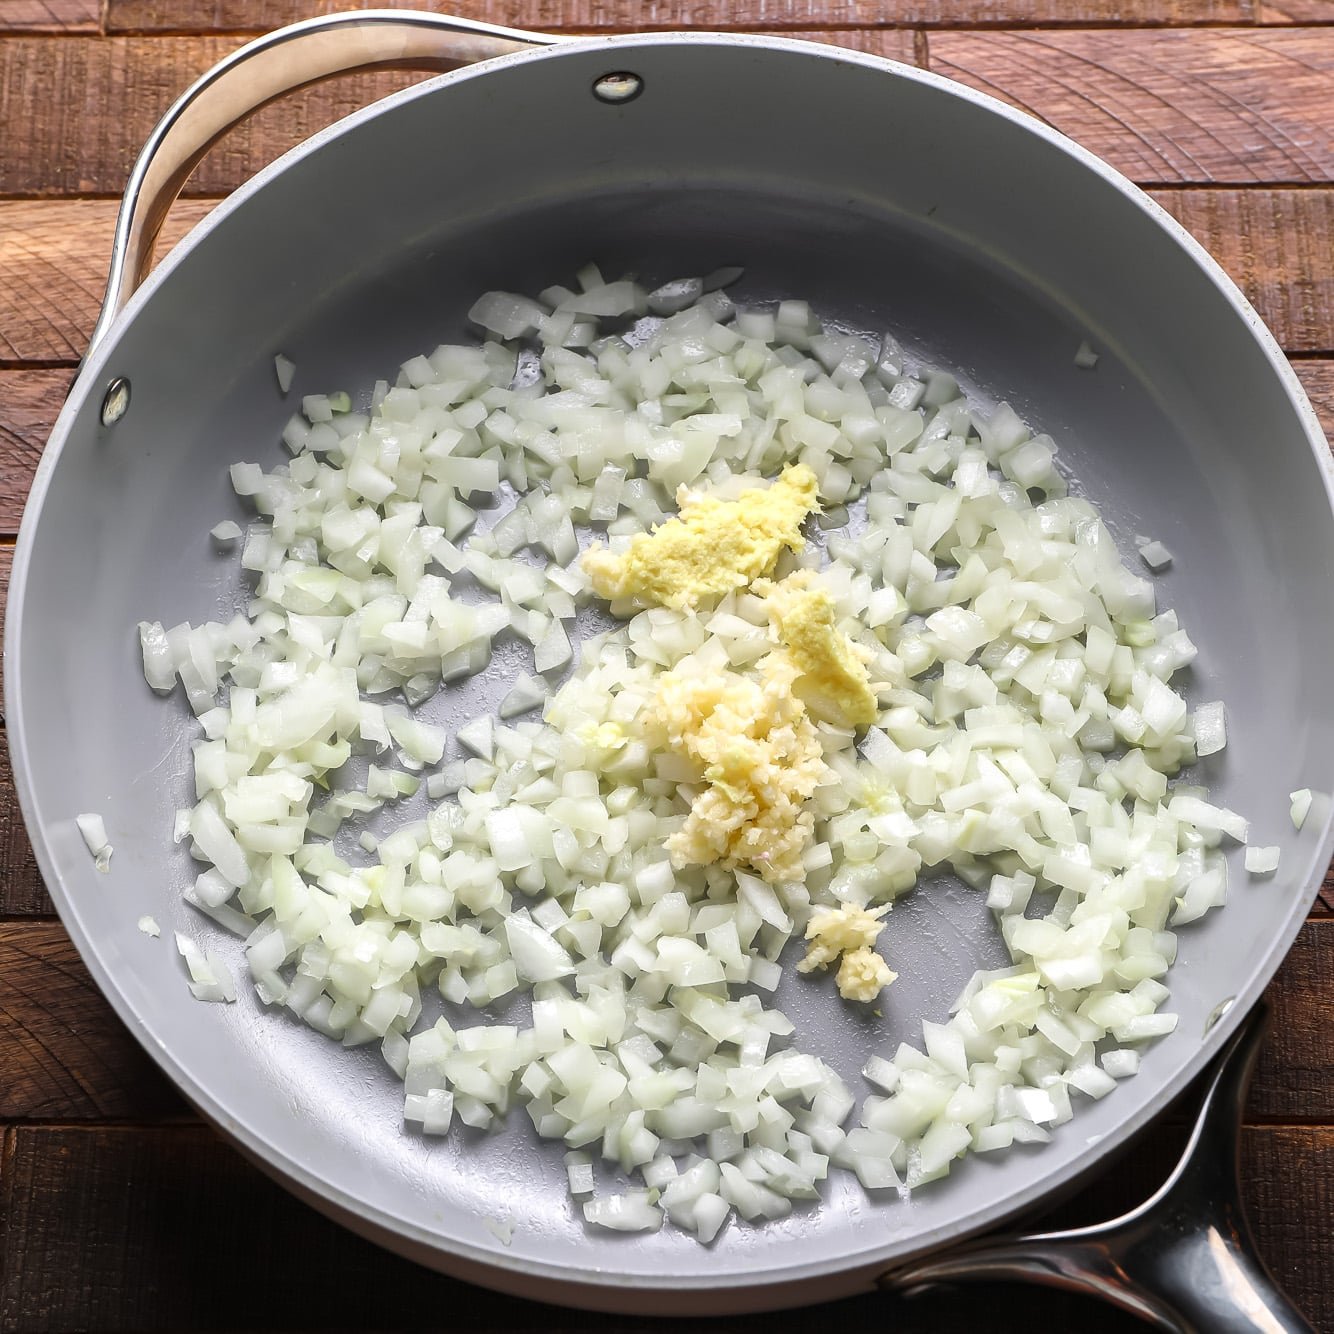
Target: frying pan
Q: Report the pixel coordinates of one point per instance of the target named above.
(890, 198)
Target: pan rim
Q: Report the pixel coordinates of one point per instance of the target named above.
(581, 1284)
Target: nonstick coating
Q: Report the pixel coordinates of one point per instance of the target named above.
(890, 199)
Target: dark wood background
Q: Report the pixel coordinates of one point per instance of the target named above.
(119, 1210)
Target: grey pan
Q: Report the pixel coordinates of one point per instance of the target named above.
(892, 199)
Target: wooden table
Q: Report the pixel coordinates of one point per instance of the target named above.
(118, 1209)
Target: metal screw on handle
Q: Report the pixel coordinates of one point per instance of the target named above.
(1184, 1260)
(260, 72)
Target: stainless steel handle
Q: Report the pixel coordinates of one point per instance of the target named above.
(265, 69)
(1184, 1260)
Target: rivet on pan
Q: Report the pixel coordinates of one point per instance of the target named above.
(1218, 1012)
(618, 88)
(116, 401)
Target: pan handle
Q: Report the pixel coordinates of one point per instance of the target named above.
(1184, 1260)
(261, 71)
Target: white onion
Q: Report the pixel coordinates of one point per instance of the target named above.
(1262, 861)
(1028, 732)
(94, 832)
(1300, 806)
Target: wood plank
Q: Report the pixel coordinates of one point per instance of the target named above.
(67, 1057)
(6, 564)
(1317, 379)
(29, 402)
(53, 257)
(1295, 11)
(112, 1228)
(891, 43)
(50, 15)
(53, 264)
(631, 15)
(64, 1053)
(1295, 1077)
(1276, 245)
(22, 893)
(71, 148)
(1208, 105)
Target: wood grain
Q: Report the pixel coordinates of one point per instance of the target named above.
(71, 149)
(115, 1228)
(53, 264)
(50, 15)
(53, 257)
(1317, 379)
(601, 15)
(64, 1053)
(1295, 1077)
(1278, 246)
(1211, 106)
(22, 893)
(29, 402)
(67, 1057)
(1295, 11)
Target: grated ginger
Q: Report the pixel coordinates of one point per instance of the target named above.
(712, 547)
(833, 682)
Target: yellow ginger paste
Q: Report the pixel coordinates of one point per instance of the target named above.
(833, 680)
(849, 931)
(761, 759)
(711, 547)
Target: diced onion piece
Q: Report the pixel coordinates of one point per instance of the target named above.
(634, 1211)
(1300, 806)
(1155, 555)
(225, 533)
(1209, 723)
(94, 831)
(1262, 861)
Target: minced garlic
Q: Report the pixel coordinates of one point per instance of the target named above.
(712, 547)
(761, 759)
(863, 975)
(850, 931)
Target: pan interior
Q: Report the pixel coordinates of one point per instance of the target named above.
(370, 248)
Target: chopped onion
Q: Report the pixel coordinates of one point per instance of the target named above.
(94, 831)
(1262, 861)
(1301, 806)
(1027, 731)
(1154, 555)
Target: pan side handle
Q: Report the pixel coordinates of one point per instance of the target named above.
(1183, 1261)
(259, 73)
